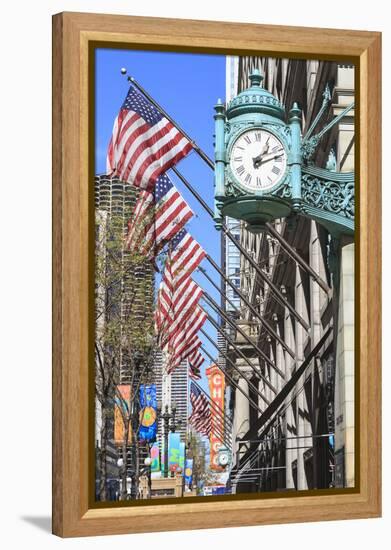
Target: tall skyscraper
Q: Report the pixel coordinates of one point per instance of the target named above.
(172, 388)
(123, 303)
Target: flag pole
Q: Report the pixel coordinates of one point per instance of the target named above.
(251, 385)
(230, 341)
(209, 300)
(215, 405)
(210, 163)
(253, 404)
(262, 320)
(278, 294)
(196, 147)
(219, 428)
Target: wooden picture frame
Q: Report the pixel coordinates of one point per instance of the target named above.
(72, 35)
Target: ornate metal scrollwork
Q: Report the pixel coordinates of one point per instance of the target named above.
(232, 190)
(336, 197)
(280, 129)
(309, 147)
(285, 192)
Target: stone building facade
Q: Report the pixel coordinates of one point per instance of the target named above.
(301, 435)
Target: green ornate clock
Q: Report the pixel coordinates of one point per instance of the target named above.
(264, 169)
(223, 456)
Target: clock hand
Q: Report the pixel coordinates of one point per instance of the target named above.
(258, 158)
(265, 148)
(272, 157)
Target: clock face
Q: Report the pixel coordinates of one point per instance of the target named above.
(223, 459)
(258, 160)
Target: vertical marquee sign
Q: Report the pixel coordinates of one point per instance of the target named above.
(217, 391)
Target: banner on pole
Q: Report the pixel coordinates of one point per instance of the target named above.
(155, 463)
(162, 459)
(182, 451)
(216, 382)
(121, 411)
(174, 440)
(148, 414)
(189, 473)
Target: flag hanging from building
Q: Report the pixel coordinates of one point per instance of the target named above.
(191, 326)
(195, 361)
(185, 255)
(175, 303)
(188, 348)
(144, 143)
(200, 417)
(184, 342)
(157, 218)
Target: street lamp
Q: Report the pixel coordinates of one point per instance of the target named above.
(147, 464)
(169, 425)
(122, 476)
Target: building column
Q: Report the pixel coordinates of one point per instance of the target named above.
(302, 425)
(242, 405)
(344, 374)
(289, 416)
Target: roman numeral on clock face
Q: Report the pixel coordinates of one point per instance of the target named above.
(240, 170)
(276, 170)
(238, 159)
(248, 178)
(247, 139)
(258, 136)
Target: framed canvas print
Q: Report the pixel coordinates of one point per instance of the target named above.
(216, 229)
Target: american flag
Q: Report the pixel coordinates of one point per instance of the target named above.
(195, 361)
(195, 374)
(183, 338)
(144, 144)
(178, 317)
(185, 255)
(188, 348)
(200, 417)
(157, 218)
(178, 293)
(175, 306)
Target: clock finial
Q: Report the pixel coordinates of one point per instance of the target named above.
(256, 78)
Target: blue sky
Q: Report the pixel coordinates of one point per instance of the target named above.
(187, 86)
